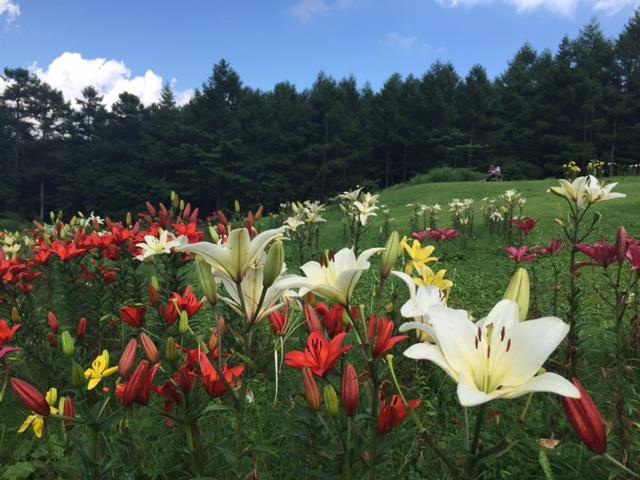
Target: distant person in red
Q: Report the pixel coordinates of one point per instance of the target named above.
(494, 173)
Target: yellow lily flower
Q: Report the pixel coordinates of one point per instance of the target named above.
(428, 278)
(99, 369)
(35, 420)
(420, 256)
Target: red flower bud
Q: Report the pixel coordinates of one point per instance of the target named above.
(69, 411)
(621, 245)
(81, 329)
(53, 340)
(127, 358)
(586, 419)
(311, 390)
(313, 322)
(350, 392)
(154, 296)
(135, 384)
(150, 349)
(53, 322)
(30, 396)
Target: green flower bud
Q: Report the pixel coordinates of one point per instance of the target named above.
(273, 265)
(236, 206)
(181, 205)
(154, 283)
(68, 347)
(170, 351)
(77, 375)
(390, 254)
(518, 291)
(183, 326)
(214, 234)
(331, 400)
(206, 281)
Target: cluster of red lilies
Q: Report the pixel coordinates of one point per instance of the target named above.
(328, 328)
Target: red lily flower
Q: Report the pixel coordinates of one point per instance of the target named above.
(443, 234)
(189, 230)
(211, 381)
(602, 253)
(42, 254)
(586, 419)
(320, 354)
(187, 302)
(633, 255)
(520, 254)
(553, 249)
(393, 414)
(67, 251)
(420, 236)
(278, 320)
(133, 316)
(7, 333)
(526, 225)
(333, 319)
(379, 333)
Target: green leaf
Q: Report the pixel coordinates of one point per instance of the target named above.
(18, 471)
(543, 459)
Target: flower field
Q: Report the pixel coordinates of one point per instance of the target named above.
(452, 330)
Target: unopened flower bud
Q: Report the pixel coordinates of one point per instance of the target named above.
(128, 357)
(213, 341)
(311, 317)
(350, 391)
(52, 320)
(15, 314)
(559, 222)
(128, 219)
(68, 410)
(154, 296)
(77, 375)
(273, 265)
(206, 281)
(311, 390)
(518, 291)
(390, 254)
(135, 383)
(236, 206)
(181, 206)
(149, 347)
(214, 234)
(81, 328)
(586, 419)
(175, 200)
(52, 339)
(183, 325)
(30, 396)
(259, 213)
(170, 350)
(331, 400)
(68, 346)
(621, 245)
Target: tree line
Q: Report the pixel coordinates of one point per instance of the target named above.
(232, 142)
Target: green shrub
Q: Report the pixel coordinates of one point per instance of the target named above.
(446, 174)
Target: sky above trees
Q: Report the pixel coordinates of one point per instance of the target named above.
(139, 46)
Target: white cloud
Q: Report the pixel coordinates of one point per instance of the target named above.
(70, 73)
(409, 44)
(614, 6)
(305, 9)
(398, 40)
(565, 8)
(9, 8)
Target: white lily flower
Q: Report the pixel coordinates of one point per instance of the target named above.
(422, 298)
(157, 245)
(252, 286)
(237, 255)
(594, 192)
(292, 223)
(496, 357)
(334, 281)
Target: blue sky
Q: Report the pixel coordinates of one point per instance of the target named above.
(141, 44)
